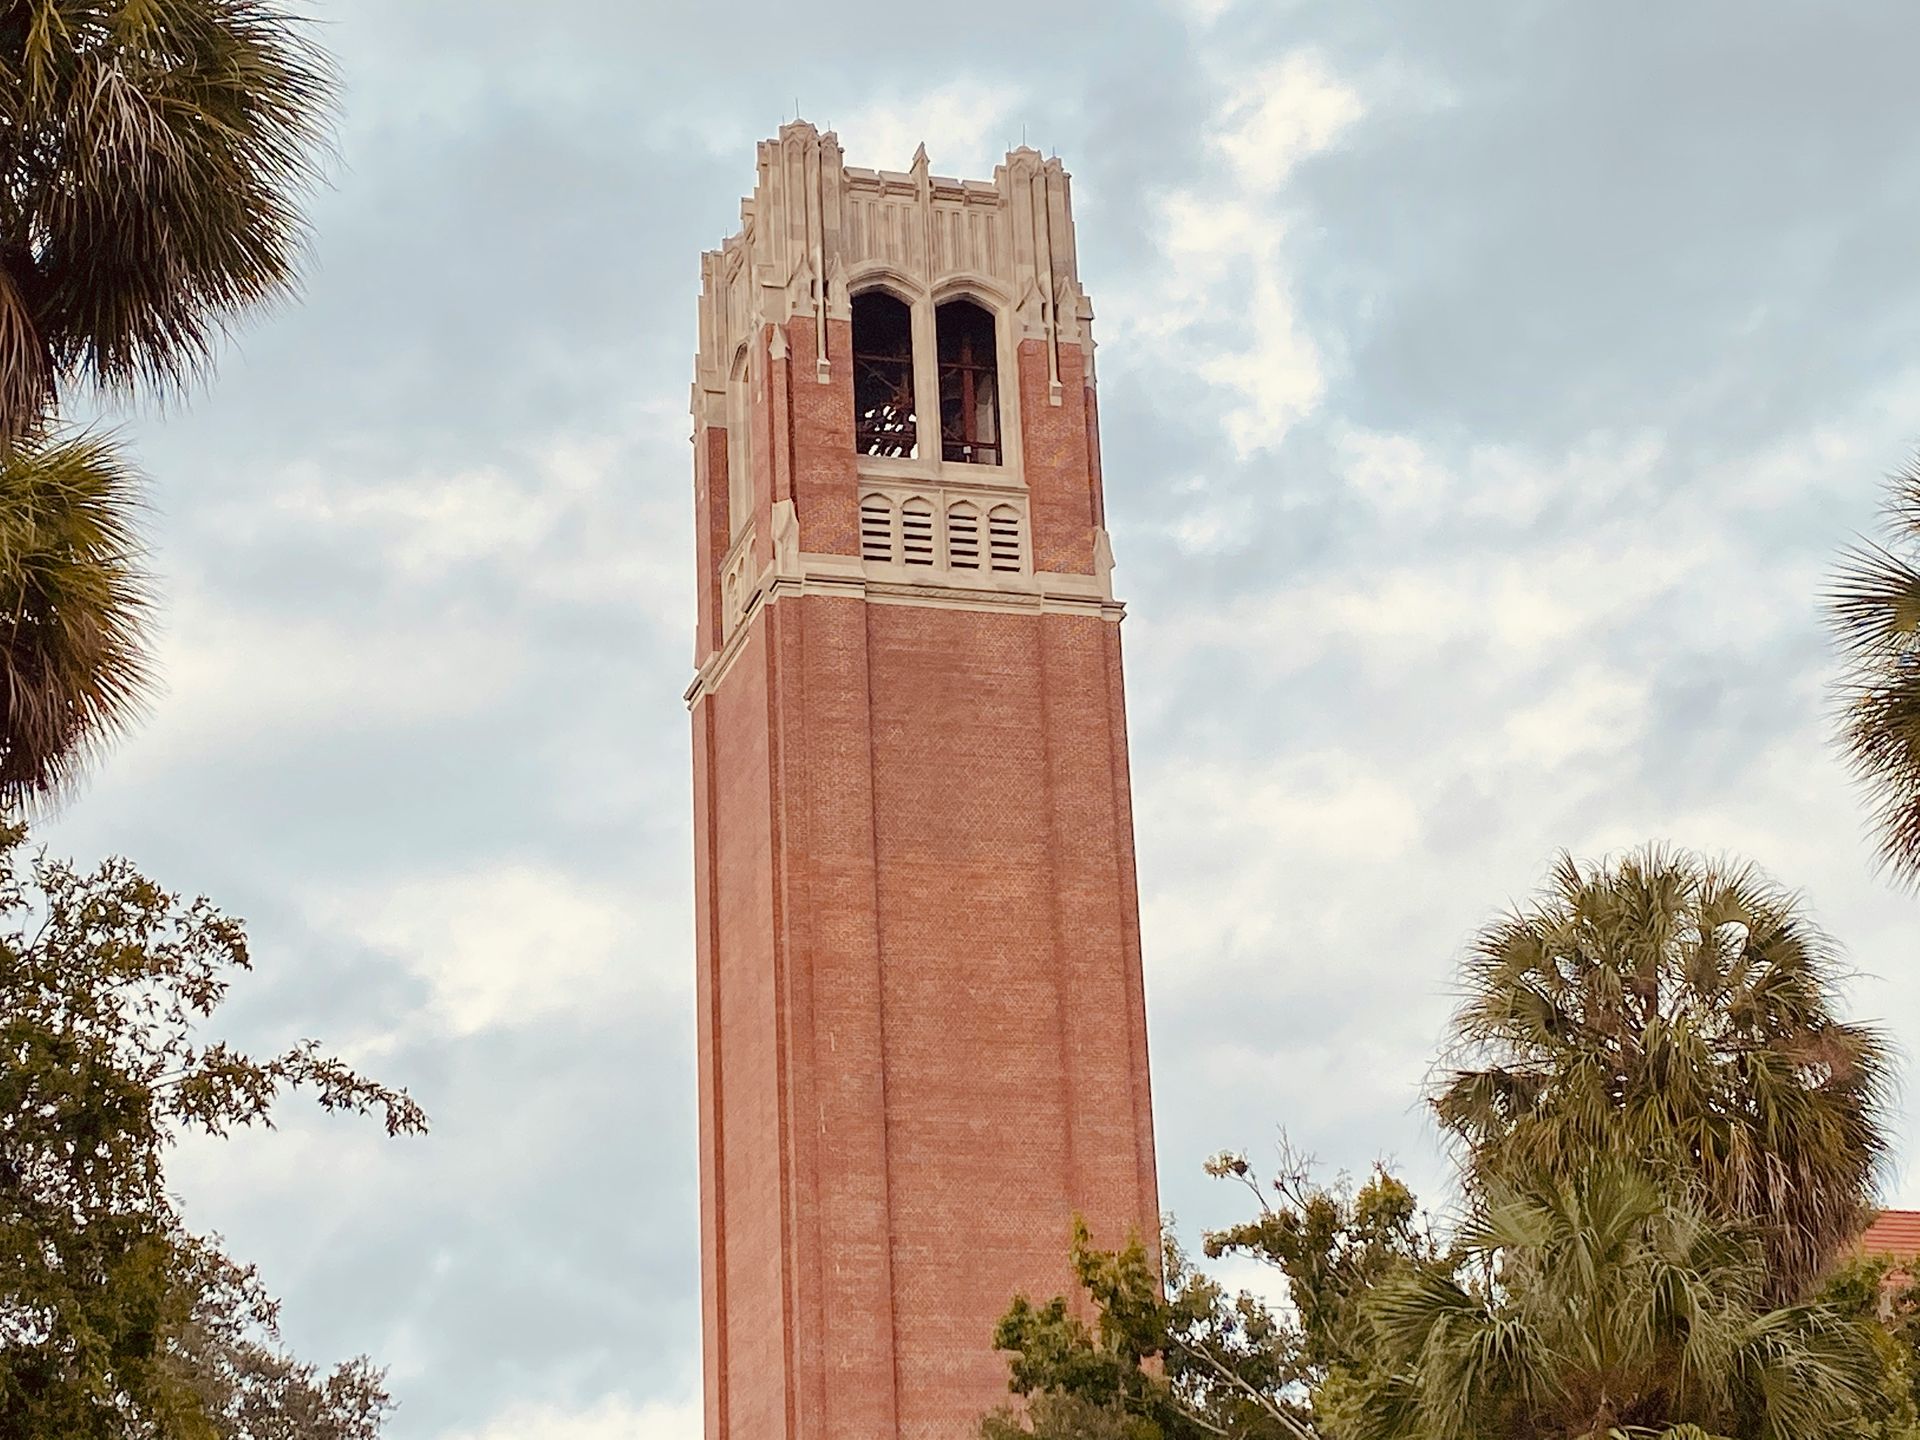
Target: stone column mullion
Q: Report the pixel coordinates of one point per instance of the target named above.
(926, 380)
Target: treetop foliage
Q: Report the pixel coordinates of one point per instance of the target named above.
(1668, 1138)
(1600, 1305)
(73, 661)
(112, 1316)
(152, 154)
(1667, 1009)
(1873, 614)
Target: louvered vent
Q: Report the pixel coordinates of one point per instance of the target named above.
(1003, 538)
(916, 532)
(963, 538)
(876, 528)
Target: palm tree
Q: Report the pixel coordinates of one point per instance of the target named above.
(1672, 1011)
(1873, 611)
(72, 654)
(1603, 1307)
(151, 156)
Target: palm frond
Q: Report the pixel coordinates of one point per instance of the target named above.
(26, 364)
(74, 606)
(1872, 608)
(154, 153)
(1614, 1306)
(1668, 1009)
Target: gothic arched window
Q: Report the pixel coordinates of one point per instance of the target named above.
(883, 409)
(969, 384)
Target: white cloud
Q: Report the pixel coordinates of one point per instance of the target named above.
(966, 124)
(1215, 246)
(1239, 836)
(1406, 480)
(562, 520)
(566, 524)
(230, 674)
(611, 1419)
(1225, 264)
(1596, 709)
(1392, 472)
(1283, 114)
(1211, 518)
(1793, 813)
(1514, 609)
(510, 942)
(431, 523)
(1513, 487)
(1201, 13)
(1278, 376)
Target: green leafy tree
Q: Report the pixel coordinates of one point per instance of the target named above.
(1172, 1362)
(1331, 1244)
(1874, 1292)
(1873, 613)
(1187, 1359)
(1603, 1307)
(151, 156)
(114, 1320)
(1669, 1009)
(243, 1383)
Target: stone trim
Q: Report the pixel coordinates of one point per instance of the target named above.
(735, 575)
(1048, 593)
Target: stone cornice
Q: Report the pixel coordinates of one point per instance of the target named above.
(1044, 593)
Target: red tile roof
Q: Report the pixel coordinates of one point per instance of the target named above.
(1895, 1233)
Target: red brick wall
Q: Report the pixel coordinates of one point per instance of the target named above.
(825, 495)
(837, 1076)
(1010, 1097)
(746, 1138)
(922, 1037)
(1059, 475)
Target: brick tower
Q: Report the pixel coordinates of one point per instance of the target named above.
(922, 1038)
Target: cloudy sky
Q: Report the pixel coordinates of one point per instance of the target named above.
(1485, 388)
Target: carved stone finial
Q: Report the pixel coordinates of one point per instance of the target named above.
(919, 166)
